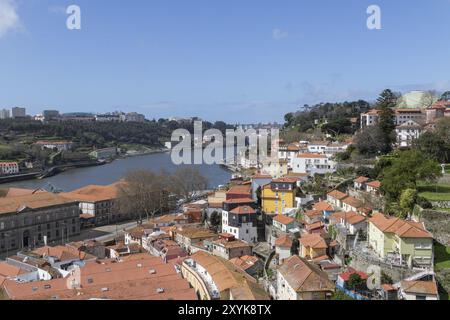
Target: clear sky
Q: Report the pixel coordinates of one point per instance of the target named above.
(231, 60)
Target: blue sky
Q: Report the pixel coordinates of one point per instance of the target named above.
(233, 60)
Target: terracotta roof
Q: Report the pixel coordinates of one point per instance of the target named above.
(350, 217)
(353, 202)
(337, 194)
(240, 189)
(137, 278)
(293, 147)
(388, 287)
(245, 262)
(311, 156)
(285, 180)
(313, 213)
(17, 192)
(315, 225)
(230, 278)
(95, 193)
(361, 179)
(8, 270)
(402, 228)
(243, 210)
(408, 110)
(194, 233)
(374, 184)
(283, 241)
(303, 276)
(240, 200)
(323, 206)
(281, 218)
(236, 243)
(34, 201)
(346, 275)
(314, 241)
(421, 287)
(261, 176)
(63, 253)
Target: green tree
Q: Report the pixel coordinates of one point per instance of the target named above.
(371, 141)
(338, 126)
(386, 103)
(295, 246)
(406, 169)
(408, 198)
(434, 145)
(216, 220)
(355, 282)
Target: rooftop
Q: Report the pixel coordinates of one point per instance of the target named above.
(421, 287)
(337, 194)
(94, 193)
(142, 277)
(283, 219)
(402, 228)
(243, 210)
(33, 201)
(314, 241)
(303, 276)
(227, 277)
(323, 206)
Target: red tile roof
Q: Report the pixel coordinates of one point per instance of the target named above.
(283, 241)
(283, 219)
(402, 228)
(337, 194)
(346, 275)
(323, 206)
(243, 210)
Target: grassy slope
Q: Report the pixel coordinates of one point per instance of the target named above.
(439, 192)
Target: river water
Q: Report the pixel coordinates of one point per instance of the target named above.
(112, 172)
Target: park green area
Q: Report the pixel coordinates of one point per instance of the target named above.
(434, 192)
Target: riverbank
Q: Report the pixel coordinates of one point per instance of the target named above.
(113, 171)
(55, 170)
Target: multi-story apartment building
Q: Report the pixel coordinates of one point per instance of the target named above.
(313, 163)
(400, 242)
(241, 223)
(98, 204)
(5, 114)
(18, 112)
(279, 195)
(26, 221)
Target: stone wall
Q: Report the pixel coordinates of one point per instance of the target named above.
(438, 223)
(396, 273)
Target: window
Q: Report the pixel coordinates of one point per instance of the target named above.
(2, 225)
(421, 297)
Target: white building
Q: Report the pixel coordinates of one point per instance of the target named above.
(418, 290)
(58, 145)
(240, 222)
(5, 114)
(407, 132)
(318, 146)
(312, 163)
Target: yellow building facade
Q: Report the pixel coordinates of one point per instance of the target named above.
(278, 195)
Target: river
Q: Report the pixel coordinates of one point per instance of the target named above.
(112, 172)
